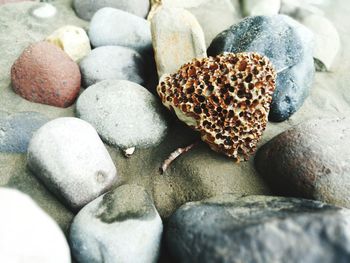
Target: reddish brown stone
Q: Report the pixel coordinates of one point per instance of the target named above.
(2, 2)
(45, 74)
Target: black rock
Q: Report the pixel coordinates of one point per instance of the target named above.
(259, 229)
(16, 130)
(288, 45)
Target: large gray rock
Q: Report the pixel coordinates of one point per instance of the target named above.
(20, 240)
(17, 129)
(124, 113)
(86, 9)
(120, 226)
(71, 160)
(259, 229)
(112, 62)
(114, 27)
(177, 39)
(288, 44)
(311, 160)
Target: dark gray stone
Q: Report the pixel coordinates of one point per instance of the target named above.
(120, 226)
(310, 160)
(16, 130)
(86, 9)
(112, 62)
(259, 229)
(289, 46)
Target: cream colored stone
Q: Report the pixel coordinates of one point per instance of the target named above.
(177, 39)
(214, 16)
(71, 39)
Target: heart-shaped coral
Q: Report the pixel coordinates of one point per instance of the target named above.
(226, 98)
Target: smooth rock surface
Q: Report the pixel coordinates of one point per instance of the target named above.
(86, 9)
(112, 62)
(16, 130)
(28, 234)
(124, 113)
(71, 160)
(71, 39)
(177, 39)
(311, 160)
(45, 74)
(260, 7)
(214, 16)
(289, 46)
(114, 27)
(259, 229)
(120, 226)
(44, 11)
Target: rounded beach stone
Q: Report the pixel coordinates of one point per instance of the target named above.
(71, 39)
(16, 130)
(86, 9)
(258, 229)
(177, 39)
(28, 234)
(124, 113)
(71, 160)
(45, 74)
(122, 224)
(311, 160)
(114, 27)
(288, 44)
(44, 11)
(112, 62)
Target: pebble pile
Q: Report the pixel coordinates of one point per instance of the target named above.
(133, 73)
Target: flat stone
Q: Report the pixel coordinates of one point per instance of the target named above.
(17, 129)
(311, 160)
(260, 229)
(20, 240)
(177, 39)
(124, 113)
(207, 13)
(112, 62)
(122, 224)
(289, 46)
(45, 74)
(86, 9)
(114, 27)
(71, 160)
(261, 7)
(71, 39)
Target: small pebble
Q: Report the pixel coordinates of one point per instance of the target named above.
(17, 129)
(44, 11)
(45, 74)
(177, 39)
(28, 234)
(71, 160)
(114, 27)
(124, 113)
(112, 62)
(120, 226)
(71, 39)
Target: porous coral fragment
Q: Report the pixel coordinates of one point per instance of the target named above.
(226, 98)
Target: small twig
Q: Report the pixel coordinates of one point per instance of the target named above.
(174, 155)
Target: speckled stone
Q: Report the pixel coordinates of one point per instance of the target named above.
(288, 44)
(112, 62)
(259, 229)
(114, 27)
(71, 160)
(28, 234)
(311, 160)
(122, 224)
(17, 129)
(124, 113)
(45, 74)
(86, 9)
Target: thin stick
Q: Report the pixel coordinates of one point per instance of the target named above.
(174, 155)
